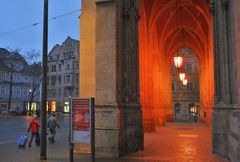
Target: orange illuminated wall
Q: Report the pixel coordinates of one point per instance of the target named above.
(161, 34)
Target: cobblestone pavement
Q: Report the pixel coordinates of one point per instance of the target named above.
(177, 142)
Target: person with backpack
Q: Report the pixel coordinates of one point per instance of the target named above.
(52, 124)
(34, 127)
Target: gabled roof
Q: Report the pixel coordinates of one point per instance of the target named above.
(55, 50)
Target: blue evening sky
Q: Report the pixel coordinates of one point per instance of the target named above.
(15, 14)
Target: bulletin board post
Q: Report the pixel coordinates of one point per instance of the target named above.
(82, 124)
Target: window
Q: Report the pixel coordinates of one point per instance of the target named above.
(53, 80)
(53, 92)
(18, 91)
(3, 75)
(188, 68)
(54, 68)
(18, 77)
(77, 92)
(173, 87)
(2, 91)
(68, 78)
(59, 67)
(25, 91)
(59, 92)
(25, 78)
(67, 66)
(59, 79)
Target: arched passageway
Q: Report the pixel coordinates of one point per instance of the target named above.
(161, 35)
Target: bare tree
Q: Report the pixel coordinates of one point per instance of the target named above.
(33, 56)
(35, 73)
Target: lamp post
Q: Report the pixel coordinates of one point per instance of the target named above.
(43, 151)
(30, 103)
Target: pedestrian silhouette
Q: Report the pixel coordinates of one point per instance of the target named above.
(52, 124)
(34, 127)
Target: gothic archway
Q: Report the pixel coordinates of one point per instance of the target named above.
(160, 36)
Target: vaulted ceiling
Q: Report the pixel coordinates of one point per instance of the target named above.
(179, 23)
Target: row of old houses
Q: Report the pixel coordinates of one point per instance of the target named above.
(20, 82)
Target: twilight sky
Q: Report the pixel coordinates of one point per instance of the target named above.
(15, 14)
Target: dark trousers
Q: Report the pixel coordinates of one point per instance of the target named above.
(36, 135)
(53, 133)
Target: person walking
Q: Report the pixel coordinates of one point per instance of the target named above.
(52, 124)
(34, 127)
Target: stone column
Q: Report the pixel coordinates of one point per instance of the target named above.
(118, 111)
(128, 96)
(226, 54)
(224, 117)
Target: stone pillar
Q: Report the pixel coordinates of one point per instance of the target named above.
(128, 88)
(225, 136)
(118, 111)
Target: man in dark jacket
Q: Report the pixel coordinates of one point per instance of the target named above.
(52, 124)
(34, 127)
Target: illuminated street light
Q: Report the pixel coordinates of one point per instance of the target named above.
(185, 82)
(182, 76)
(178, 61)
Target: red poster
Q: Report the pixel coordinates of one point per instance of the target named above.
(81, 114)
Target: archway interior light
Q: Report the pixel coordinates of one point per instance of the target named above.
(178, 61)
(185, 82)
(182, 76)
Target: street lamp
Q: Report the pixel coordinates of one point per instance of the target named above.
(185, 82)
(178, 61)
(182, 76)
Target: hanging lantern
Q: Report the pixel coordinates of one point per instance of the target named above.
(182, 76)
(178, 60)
(185, 82)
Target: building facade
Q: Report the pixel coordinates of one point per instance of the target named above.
(22, 79)
(63, 75)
